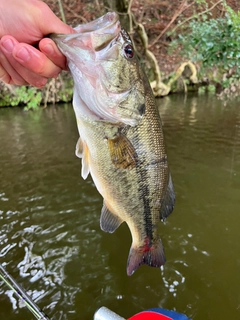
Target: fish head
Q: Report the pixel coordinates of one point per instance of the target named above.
(108, 85)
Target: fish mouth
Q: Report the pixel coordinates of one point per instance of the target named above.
(106, 21)
(96, 34)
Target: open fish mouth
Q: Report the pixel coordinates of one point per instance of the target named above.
(96, 60)
(103, 23)
(96, 34)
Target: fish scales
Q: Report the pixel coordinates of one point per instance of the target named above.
(121, 140)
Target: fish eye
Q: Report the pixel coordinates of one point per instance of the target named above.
(129, 52)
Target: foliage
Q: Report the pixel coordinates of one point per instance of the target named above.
(235, 17)
(28, 96)
(57, 90)
(214, 43)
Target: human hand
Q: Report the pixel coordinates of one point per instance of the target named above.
(23, 24)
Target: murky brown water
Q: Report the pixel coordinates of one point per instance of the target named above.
(51, 242)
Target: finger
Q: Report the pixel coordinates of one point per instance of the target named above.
(49, 48)
(4, 76)
(18, 73)
(9, 74)
(35, 61)
(26, 63)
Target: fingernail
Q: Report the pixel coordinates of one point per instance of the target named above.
(48, 49)
(40, 83)
(8, 45)
(23, 54)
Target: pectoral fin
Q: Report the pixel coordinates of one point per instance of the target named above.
(79, 148)
(122, 152)
(109, 222)
(168, 202)
(83, 153)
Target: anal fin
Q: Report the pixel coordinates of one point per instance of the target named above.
(109, 222)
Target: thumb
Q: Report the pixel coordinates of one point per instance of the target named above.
(50, 23)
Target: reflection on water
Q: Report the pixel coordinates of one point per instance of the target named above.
(51, 242)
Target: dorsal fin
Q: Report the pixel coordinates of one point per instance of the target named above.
(83, 152)
(109, 222)
(169, 201)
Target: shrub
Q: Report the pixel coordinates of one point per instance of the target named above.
(214, 45)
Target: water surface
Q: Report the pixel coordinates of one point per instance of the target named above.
(51, 242)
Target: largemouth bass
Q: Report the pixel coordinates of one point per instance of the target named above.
(121, 141)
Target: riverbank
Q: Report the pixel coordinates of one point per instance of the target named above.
(163, 24)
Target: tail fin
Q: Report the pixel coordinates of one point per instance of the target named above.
(152, 255)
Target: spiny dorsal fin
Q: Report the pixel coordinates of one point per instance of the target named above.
(169, 200)
(82, 152)
(109, 222)
(122, 152)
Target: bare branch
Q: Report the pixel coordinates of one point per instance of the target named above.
(150, 56)
(182, 8)
(164, 89)
(200, 14)
(61, 11)
(130, 15)
(76, 14)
